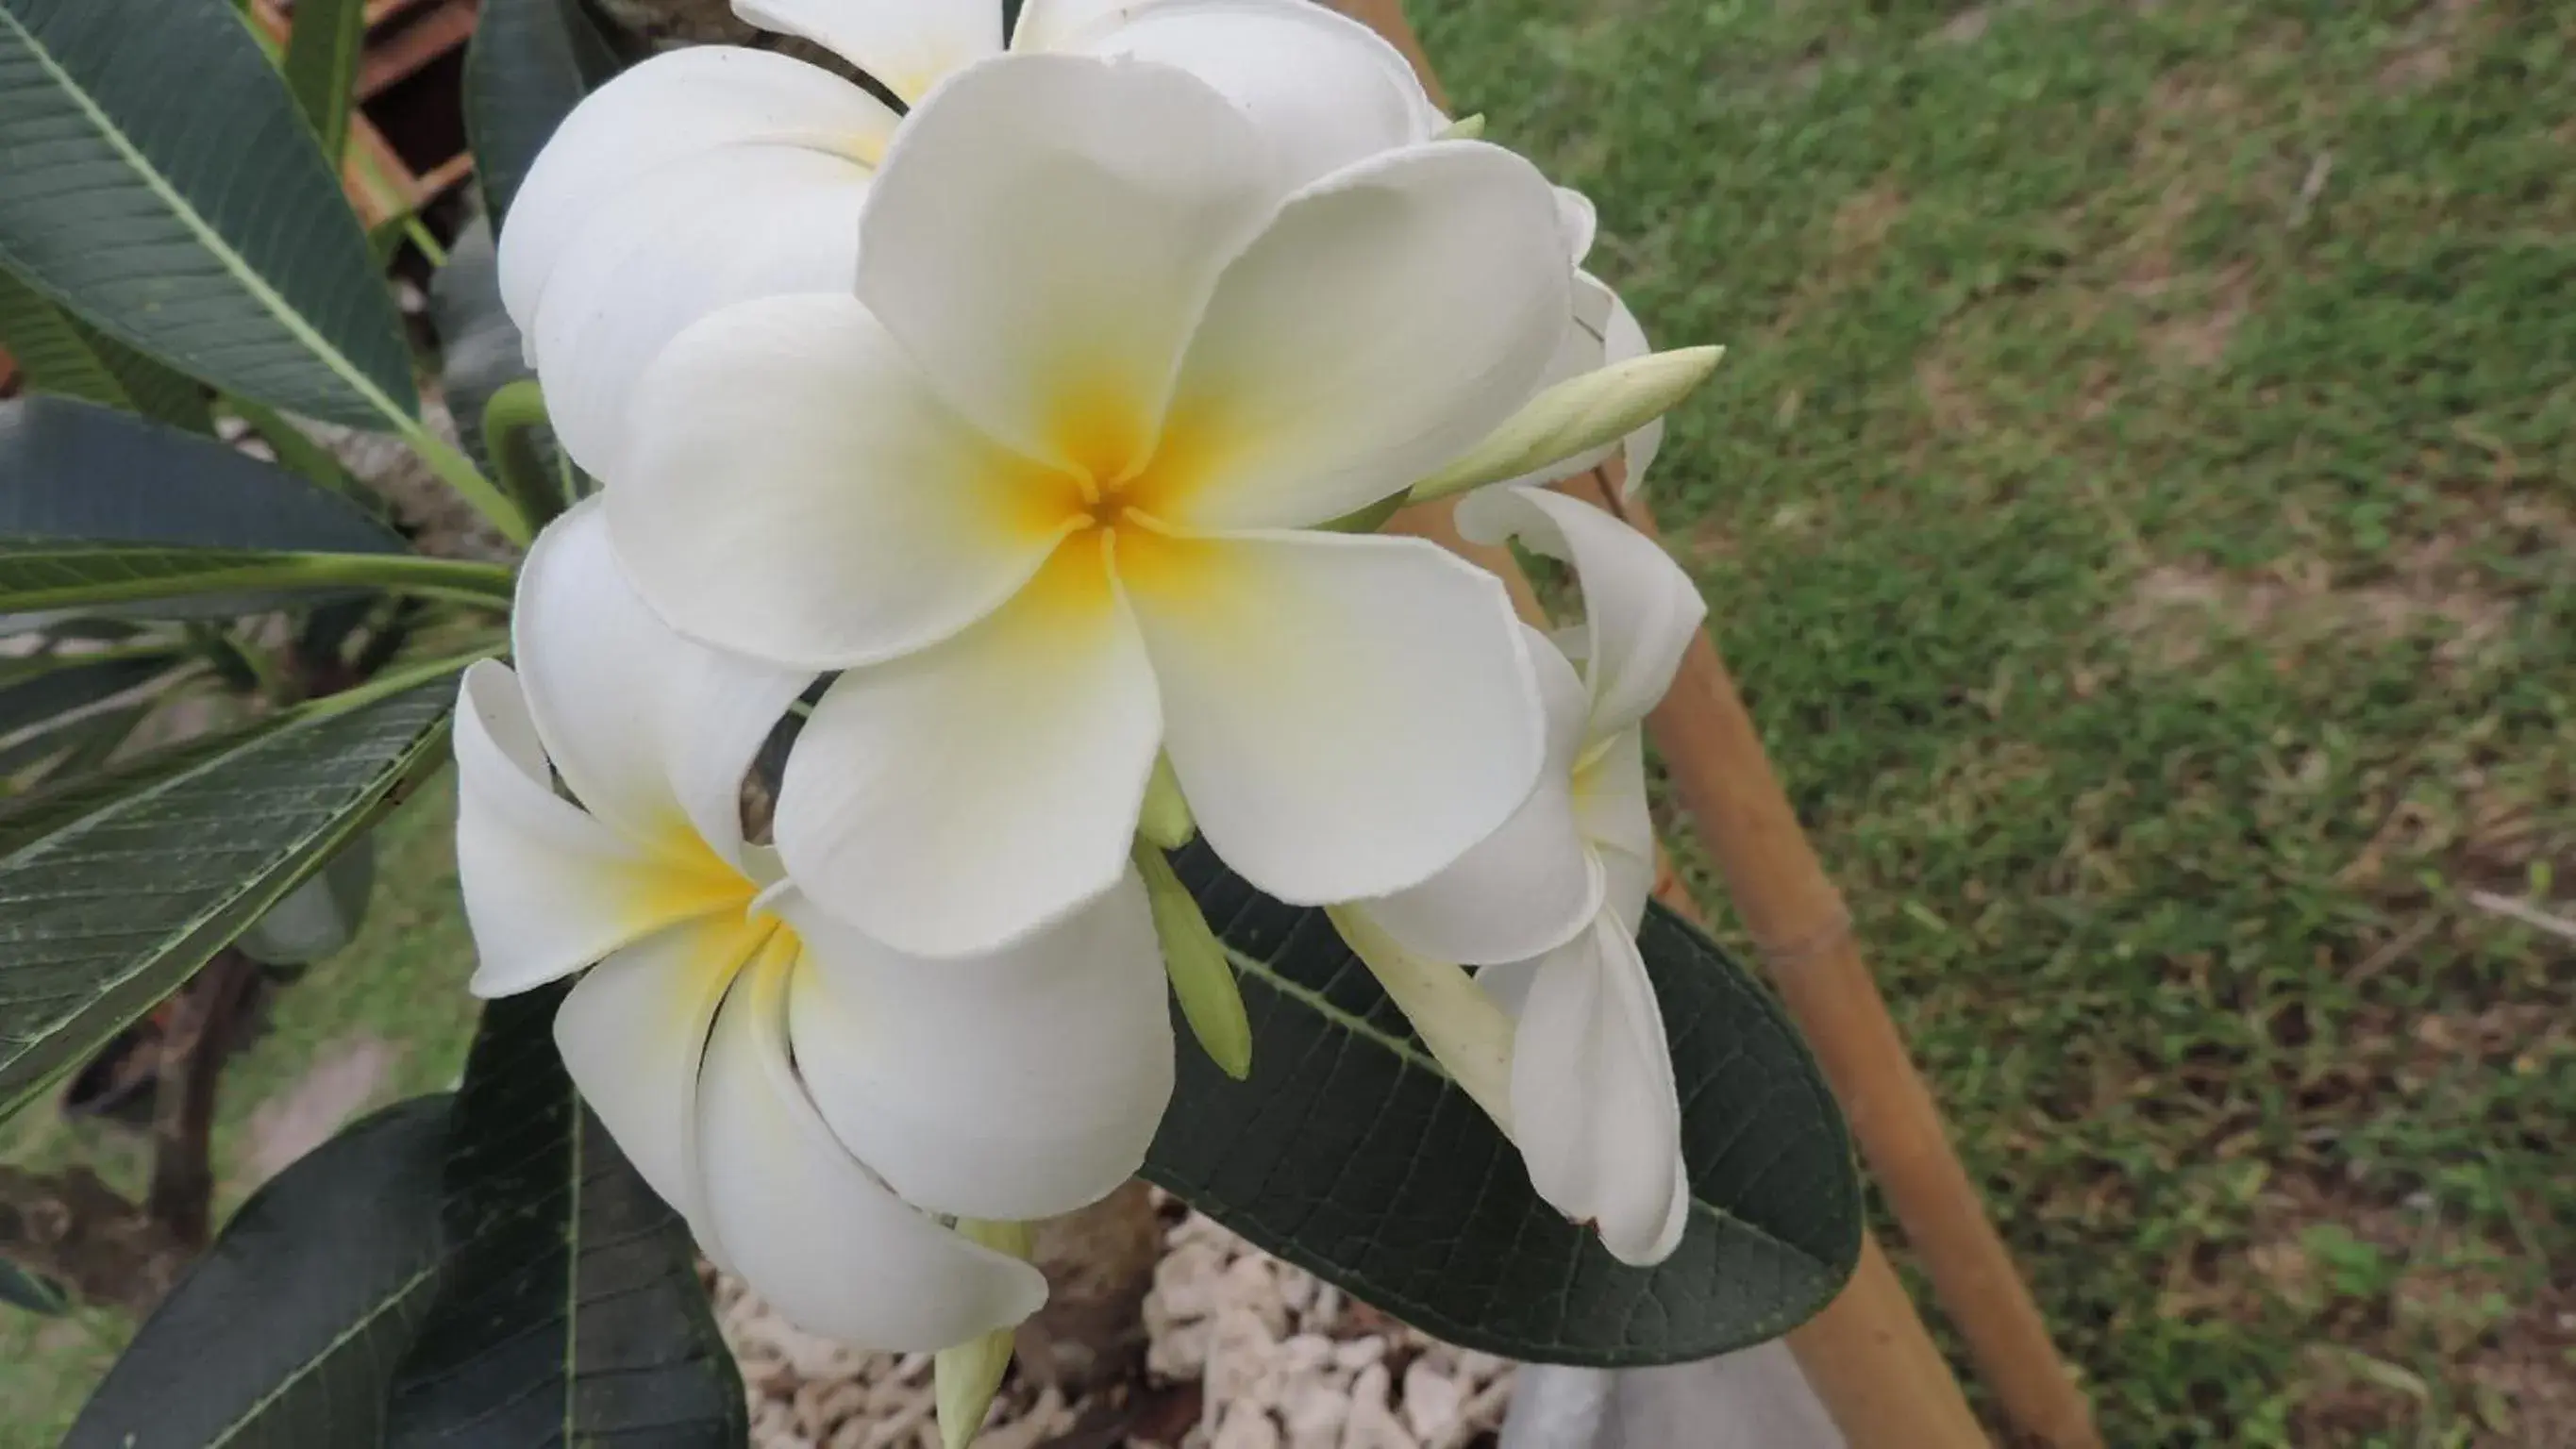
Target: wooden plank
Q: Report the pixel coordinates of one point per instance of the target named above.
(413, 47)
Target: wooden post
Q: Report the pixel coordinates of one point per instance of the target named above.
(1797, 919)
(1865, 1354)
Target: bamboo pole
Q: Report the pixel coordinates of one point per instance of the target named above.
(1716, 762)
(1803, 931)
(1867, 1356)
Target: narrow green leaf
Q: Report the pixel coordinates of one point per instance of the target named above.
(59, 353)
(160, 185)
(75, 470)
(1351, 1154)
(120, 894)
(40, 687)
(322, 64)
(571, 1312)
(42, 574)
(33, 1292)
(71, 743)
(299, 453)
(530, 63)
(282, 1336)
(319, 917)
(40, 812)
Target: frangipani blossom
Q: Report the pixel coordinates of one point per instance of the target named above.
(804, 1096)
(1592, 1100)
(1603, 334)
(715, 174)
(1047, 487)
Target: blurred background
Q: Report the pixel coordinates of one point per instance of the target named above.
(2139, 504)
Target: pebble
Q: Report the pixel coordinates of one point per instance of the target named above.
(1282, 1362)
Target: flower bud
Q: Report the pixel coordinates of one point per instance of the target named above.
(1202, 977)
(1574, 417)
(965, 1377)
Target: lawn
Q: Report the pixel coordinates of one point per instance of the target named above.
(2140, 504)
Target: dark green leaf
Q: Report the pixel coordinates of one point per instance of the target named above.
(303, 455)
(571, 1312)
(322, 63)
(479, 346)
(318, 917)
(72, 470)
(283, 1334)
(73, 743)
(59, 353)
(38, 688)
(40, 812)
(60, 574)
(1351, 1154)
(162, 185)
(30, 1291)
(122, 895)
(530, 63)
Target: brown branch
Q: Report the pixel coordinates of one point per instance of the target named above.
(193, 1049)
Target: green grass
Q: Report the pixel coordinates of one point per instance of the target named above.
(2138, 503)
(401, 983)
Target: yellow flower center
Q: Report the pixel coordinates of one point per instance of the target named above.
(1112, 499)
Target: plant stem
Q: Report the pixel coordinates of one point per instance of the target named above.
(1466, 1031)
(512, 414)
(197, 1035)
(459, 473)
(299, 453)
(387, 685)
(228, 571)
(421, 238)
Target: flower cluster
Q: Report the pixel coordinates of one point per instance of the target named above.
(1034, 436)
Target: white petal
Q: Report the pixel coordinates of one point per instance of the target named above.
(1324, 89)
(1640, 610)
(800, 496)
(1390, 316)
(1622, 339)
(686, 103)
(548, 889)
(633, 1033)
(1578, 351)
(1610, 809)
(1346, 714)
(652, 732)
(906, 45)
(1007, 1087)
(810, 1229)
(1066, 24)
(1527, 887)
(1045, 233)
(958, 799)
(1594, 1107)
(681, 242)
(1577, 221)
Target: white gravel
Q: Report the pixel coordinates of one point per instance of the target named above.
(1281, 1362)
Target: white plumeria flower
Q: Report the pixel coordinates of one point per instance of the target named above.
(716, 174)
(1046, 487)
(1592, 1102)
(1603, 334)
(804, 1096)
